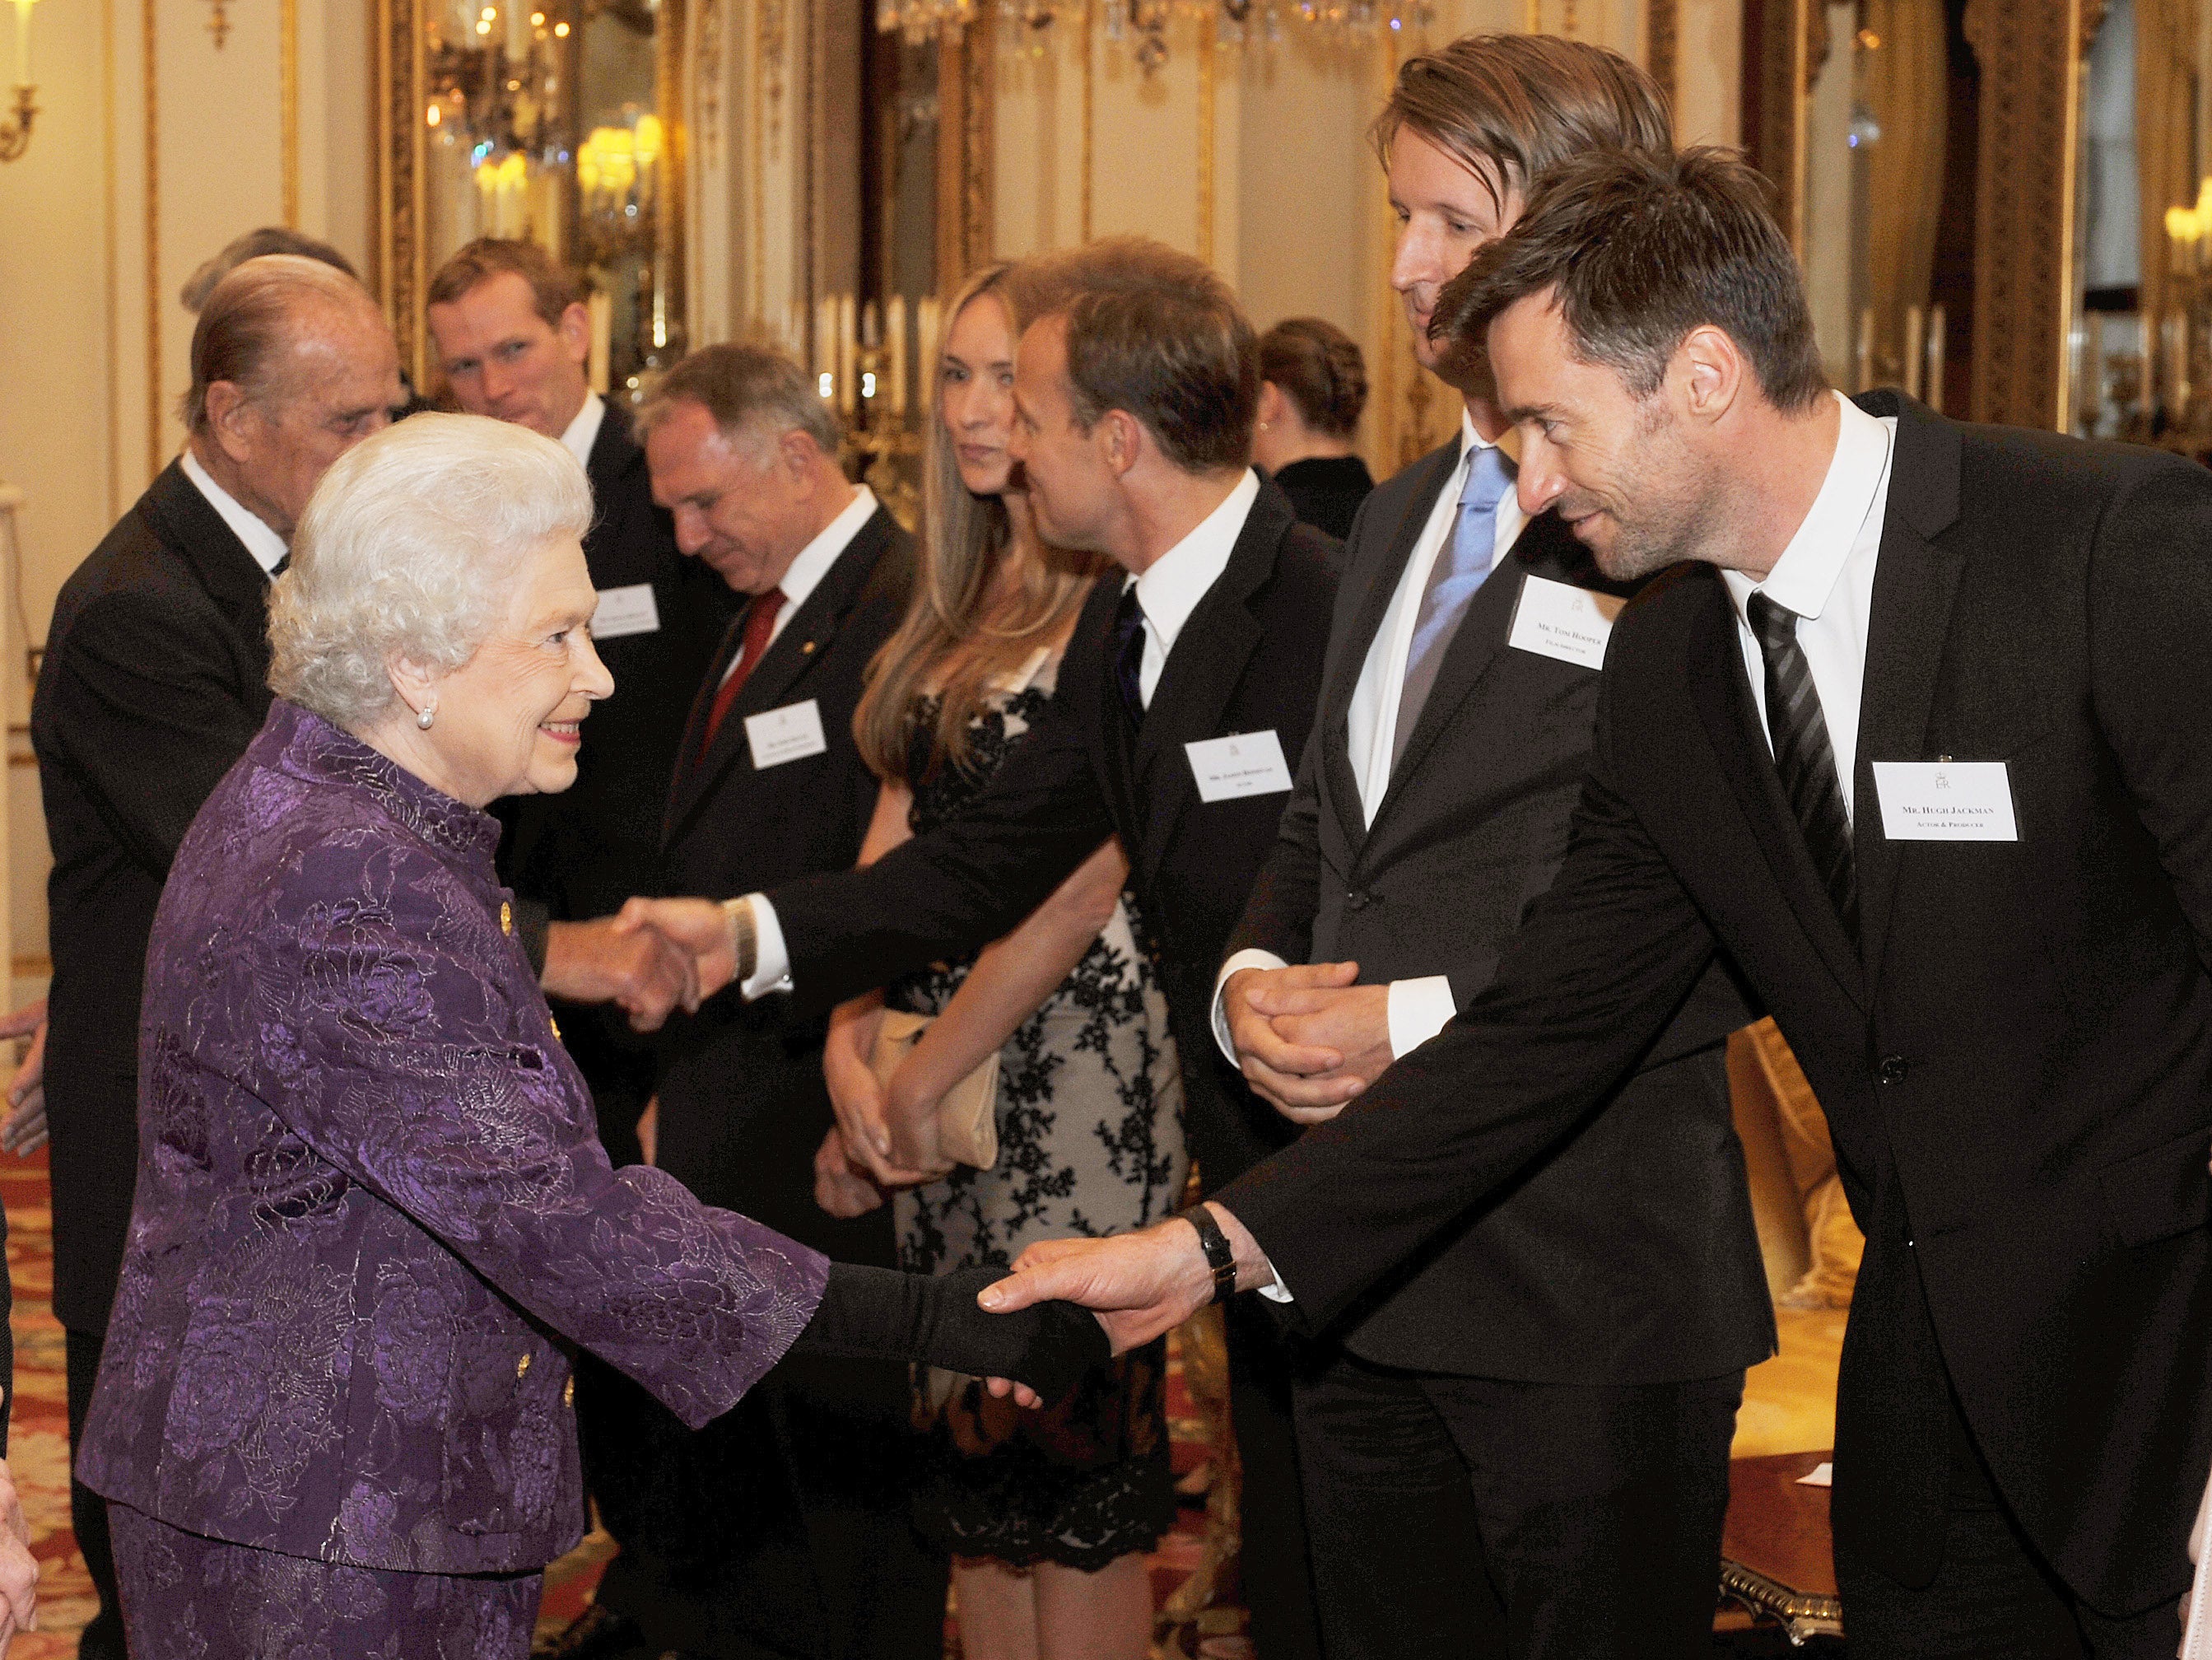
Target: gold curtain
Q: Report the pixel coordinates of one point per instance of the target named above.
(2165, 134)
(1904, 83)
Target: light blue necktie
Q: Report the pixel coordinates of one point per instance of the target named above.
(1460, 569)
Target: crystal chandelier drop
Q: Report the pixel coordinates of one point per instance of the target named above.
(1141, 26)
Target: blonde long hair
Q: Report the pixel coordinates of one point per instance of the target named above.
(965, 540)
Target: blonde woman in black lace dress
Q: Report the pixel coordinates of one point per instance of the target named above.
(1048, 1514)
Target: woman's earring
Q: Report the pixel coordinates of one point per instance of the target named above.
(429, 713)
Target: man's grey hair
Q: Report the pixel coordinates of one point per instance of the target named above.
(410, 548)
(253, 244)
(247, 325)
(753, 394)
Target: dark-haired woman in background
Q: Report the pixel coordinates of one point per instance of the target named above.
(1313, 385)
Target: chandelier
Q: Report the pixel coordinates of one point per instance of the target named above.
(1141, 26)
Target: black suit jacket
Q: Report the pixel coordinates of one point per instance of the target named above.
(2017, 1061)
(1626, 1253)
(583, 852)
(1247, 659)
(154, 681)
(743, 1102)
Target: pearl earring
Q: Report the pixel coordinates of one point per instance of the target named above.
(429, 713)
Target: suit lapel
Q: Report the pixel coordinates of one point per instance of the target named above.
(1730, 718)
(186, 520)
(1915, 583)
(1479, 639)
(1435, 470)
(1201, 675)
(777, 678)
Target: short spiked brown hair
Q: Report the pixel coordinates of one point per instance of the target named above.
(1641, 249)
(1158, 333)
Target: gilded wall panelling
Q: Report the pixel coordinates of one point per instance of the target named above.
(155, 457)
(288, 46)
(2031, 56)
(1662, 21)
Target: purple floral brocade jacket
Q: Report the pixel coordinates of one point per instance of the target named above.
(372, 1215)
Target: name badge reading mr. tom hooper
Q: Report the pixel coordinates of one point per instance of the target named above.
(1243, 763)
(790, 733)
(1559, 620)
(1945, 801)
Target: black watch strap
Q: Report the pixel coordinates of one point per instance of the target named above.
(1220, 1260)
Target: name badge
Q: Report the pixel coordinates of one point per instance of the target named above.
(790, 733)
(625, 610)
(1558, 619)
(1945, 801)
(1244, 763)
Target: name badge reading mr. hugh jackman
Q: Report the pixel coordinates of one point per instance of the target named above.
(1243, 763)
(1945, 801)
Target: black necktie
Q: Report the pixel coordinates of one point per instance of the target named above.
(1129, 655)
(1803, 756)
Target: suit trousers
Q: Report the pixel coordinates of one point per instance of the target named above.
(1475, 1517)
(102, 1637)
(1993, 1596)
(1276, 1559)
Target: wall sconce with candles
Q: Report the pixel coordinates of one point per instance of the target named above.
(876, 373)
(16, 129)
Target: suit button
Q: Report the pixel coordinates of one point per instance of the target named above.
(1356, 900)
(568, 1393)
(1892, 1069)
(505, 917)
(522, 1365)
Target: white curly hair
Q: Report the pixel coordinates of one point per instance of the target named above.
(408, 549)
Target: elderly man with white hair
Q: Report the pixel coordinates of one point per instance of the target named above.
(155, 677)
(374, 1220)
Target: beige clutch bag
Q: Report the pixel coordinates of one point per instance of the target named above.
(968, 1117)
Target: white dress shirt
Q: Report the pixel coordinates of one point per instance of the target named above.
(1420, 1007)
(267, 547)
(808, 570)
(1825, 575)
(584, 430)
(1174, 583)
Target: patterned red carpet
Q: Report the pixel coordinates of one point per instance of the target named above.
(38, 1454)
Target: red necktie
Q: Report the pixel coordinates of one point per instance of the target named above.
(760, 623)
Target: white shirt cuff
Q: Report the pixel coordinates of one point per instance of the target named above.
(1238, 961)
(1419, 1009)
(1275, 1291)
(771, 958)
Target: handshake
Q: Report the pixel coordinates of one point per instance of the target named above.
(650, 958)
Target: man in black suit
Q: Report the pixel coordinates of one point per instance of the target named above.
(783, 1529)
(1495, 1460)
(1989, 951)
(1186, 689)
(514, 336)
(154, 682)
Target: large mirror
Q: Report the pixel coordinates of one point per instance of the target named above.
(2139, 337)
(558, 121)
(1946, 166)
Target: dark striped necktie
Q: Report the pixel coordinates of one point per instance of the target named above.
(1804, 756)
(1128, 656)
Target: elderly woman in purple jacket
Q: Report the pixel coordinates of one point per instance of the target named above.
(373, 1219)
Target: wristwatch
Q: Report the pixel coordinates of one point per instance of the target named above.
(1220, 1259)
(745, 940)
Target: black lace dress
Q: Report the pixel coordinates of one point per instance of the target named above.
(1090, 1142)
